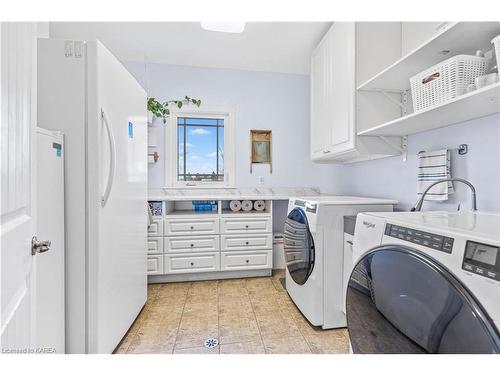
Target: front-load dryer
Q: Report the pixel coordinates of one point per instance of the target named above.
(313, 245)
(425, 283)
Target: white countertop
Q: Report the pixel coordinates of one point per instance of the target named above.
(228, 194)
(346, 200)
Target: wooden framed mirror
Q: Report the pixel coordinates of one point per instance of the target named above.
(261, 148)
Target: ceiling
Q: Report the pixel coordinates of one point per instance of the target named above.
(283, 47)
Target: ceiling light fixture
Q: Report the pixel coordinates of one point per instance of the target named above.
(224, 27)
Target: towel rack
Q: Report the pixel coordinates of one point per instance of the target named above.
(462, 149)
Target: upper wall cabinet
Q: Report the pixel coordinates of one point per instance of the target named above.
(346, 55)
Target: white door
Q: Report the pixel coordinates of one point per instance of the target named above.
(18, 185)
(49, 266)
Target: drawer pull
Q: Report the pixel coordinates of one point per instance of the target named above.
(247, 261)
(191, 227)
(246, 226)
(192, 245)
(246, 243)
(192, 263)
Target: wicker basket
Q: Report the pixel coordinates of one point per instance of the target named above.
(445, 81)
(496, 46)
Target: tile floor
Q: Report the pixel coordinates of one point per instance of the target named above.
(247, 316)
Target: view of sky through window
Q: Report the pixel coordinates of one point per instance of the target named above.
(200, 147)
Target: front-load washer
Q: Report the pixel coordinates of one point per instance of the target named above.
(425, 283)
(313, 245)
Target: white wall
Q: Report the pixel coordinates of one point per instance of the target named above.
(278, 102)
(393, 178)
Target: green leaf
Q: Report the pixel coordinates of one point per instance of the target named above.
(179, 104)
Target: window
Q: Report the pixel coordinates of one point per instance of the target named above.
(201, 149)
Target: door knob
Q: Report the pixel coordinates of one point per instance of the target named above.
(39, 246)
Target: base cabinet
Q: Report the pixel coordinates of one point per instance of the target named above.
(203, 243)
(244, 260)
(155, 264)
(189, 263)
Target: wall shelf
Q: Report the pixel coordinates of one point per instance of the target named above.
(475, 104)
(456, 37)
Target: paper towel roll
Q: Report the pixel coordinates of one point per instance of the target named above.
(246, 205)
(235, 206)
(259, 205)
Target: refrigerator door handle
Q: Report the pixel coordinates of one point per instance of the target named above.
(112, 159)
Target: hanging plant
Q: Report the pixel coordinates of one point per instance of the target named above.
(161, 110)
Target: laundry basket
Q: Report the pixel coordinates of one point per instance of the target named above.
(445, 81)
(496, 46)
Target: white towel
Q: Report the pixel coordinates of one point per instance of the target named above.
(434, 166)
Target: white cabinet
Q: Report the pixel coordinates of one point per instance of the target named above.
(191, 244)
(332, 92)
(244, 260)
(334, 104)
(194, 226)
(155, 245)
(248, 224)
(189, 263)
(246, 242)
(156, 228)
(185, 242)
(155, 264)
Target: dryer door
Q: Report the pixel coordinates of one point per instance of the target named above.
(299, 246)
(399, 300)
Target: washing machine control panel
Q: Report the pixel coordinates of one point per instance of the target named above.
(431, 240)
(482, 259)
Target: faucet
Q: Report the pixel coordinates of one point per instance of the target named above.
(420, 202)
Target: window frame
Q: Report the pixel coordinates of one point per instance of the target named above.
(172, 152)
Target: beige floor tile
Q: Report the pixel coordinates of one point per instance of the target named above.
(275, 326)
(286, 345)
(329, 342)
(238, 330)
(197, 350)
(192, 334)
(146, 345)
(245, 315)
(249, 347)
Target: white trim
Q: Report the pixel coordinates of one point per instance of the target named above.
(170, 153)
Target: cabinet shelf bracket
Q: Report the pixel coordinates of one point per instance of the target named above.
(391, 99)
(402, 149)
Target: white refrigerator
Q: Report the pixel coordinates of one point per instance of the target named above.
(85, 92)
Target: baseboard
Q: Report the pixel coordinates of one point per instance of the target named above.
(154, 279)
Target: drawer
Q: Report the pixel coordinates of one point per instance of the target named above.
(183, 227)
(246, 225)
(155, 245)
(191, 244)
(191, 263)
(237, 242)
(156, 228)
(155, 264)
(246, 260)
